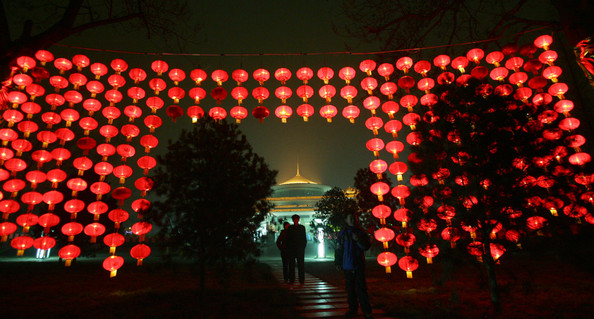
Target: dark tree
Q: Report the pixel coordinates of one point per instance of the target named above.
(331, 210)
(26, 27)
(213, 189)
(412, 24)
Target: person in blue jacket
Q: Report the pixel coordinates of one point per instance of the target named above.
(352, 242)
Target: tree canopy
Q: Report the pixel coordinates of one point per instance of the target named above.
(213, 189)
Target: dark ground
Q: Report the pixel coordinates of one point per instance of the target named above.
(550, 283)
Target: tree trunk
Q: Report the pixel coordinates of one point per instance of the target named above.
(493, 287)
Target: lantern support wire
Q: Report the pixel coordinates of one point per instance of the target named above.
(297, 54)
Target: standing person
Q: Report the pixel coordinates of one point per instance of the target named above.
(352, 243)
(281, 243)
(296, 242)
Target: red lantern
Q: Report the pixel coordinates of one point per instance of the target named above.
(304, 74)
(401, 191)
(95, 87)
(155, 103)
(325, 74)
(44, 56)
(118, 216)
(384, 235)
(387, 259)
(388, 89)
(119, 65)
(113, 96)
(543, 41)
(149, 141)
(140, 252)
(138, 75)
(34, 90)
(240, 76)
(460, 63)
(177, 93)
(260, 93)
(26, 63)
(328, 112)
(8, 206)
(6, 229)
(283, 112)
(238, 113)
(103, 169)
(398, 169)
(385, 70)
(146, 163)
(14, 116)
(261, 75)
(62, 64)
(441, 61)
(35, 177)
(140, 206)
(395, 147)
(327, 92)
(144, 184)
(198, 76)
(106, 150)
(552, 73)
(195, 112)
(378, 167)
(121, 194)
(48, 220)
(99, 70)
(406, 82)
(177, 75)
(514, 63)
(141, 229)
(380, 189)
(112, 264)
(68, 253)
(219, 76)
(374, 123)
(132, 112)
(217, 113)
(116, 81)
(305, 92)
(136, 93)
(283, 93)
(580, 158)
(375, 145)
(347, 74)
(160, 67)
(381, 212)
(404, 64)
(122, 172)
(240, 93)
(351, 112)
(371, 103)
(30, 108)
(174, 112)
(82, 164)
(369, 84)
(113, 240)
(283, 75)
(44, 243)
(26, 221)
(152, 122)
(21, 243)
(76, 185)
(305, 111)
(56, 176)
(22, 80)
(390, 108)
(93, 230)
(157, 85)
(422, 67)
(99, 189)
(92, 106)
(367, 66)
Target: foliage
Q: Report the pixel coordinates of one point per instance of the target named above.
(30, 26)
(331, 210)
(213, 189)
(412, 24)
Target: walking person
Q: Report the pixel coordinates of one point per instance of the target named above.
(281, 243)
(296, 242)
(352, 242)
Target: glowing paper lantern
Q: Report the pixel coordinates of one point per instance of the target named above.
(282, 75)
(26, 221)
(93, 230)
(408, 264)
(387, 259)
(381, 212)
(140, 252)
(112, 264)
(351, 112)
(47, 221)
(21, 243)
(328, 112)
(68, 253)
(305, 111)
(261, 75)
(283, 112)
(384, 235)
(347, 74)
(118, 216)
(6, 229)
(325, 74)
(304, 74)
(141, 229)
(113, 240)
(195, 112)
(240, 76)
(72, 229)
(380, 189)
(429, 251)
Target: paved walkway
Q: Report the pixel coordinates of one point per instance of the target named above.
(318, 299)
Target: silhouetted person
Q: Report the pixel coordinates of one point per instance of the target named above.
(352, 242)
(281, 243)
(296, 242)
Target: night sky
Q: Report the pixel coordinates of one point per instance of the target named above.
(328, 153)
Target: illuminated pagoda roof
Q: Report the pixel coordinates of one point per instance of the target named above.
(298, 179)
